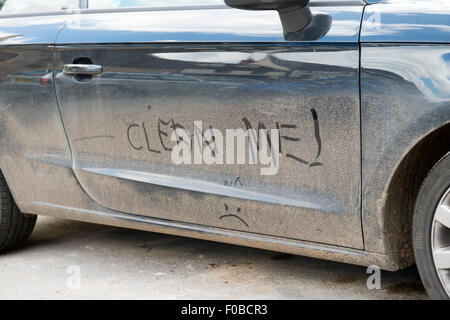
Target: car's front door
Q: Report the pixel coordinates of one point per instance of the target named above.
(198, 68)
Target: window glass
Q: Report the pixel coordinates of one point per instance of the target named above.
(26, 6)
(106, 4)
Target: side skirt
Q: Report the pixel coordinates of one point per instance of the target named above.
(296, 247)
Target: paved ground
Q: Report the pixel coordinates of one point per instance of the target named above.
(127, 264)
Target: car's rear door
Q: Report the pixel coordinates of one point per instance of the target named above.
(157, 69)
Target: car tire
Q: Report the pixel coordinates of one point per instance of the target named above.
(430, 236)
(15, 227)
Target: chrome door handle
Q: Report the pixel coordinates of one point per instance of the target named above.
(89, 69)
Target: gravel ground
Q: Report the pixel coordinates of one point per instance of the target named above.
(73, 260)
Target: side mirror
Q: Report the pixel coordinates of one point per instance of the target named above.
(295, 15)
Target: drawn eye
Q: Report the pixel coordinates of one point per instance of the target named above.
(238, 209)
(226, 207)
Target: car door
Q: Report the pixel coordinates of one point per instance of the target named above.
(128, 77)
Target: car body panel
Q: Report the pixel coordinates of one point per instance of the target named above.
(35, 30)
(405, 81)
(199, 24)
(114, 121)
(420, 21)
(405, 96)
(34, 155)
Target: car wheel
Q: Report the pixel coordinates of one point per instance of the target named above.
(431, 231)
(15, 227)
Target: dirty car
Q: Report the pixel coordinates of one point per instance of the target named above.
(318, 128)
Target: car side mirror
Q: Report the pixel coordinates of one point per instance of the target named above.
(295, 15)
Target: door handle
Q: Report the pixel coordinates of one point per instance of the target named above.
(77, 69)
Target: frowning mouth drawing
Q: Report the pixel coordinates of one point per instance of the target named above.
(234, 216)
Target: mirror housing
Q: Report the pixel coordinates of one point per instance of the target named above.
(295, 15)
(265, 4)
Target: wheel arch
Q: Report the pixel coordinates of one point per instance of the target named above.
(403, 188)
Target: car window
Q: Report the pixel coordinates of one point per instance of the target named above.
(27, 6)
(106, 4)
